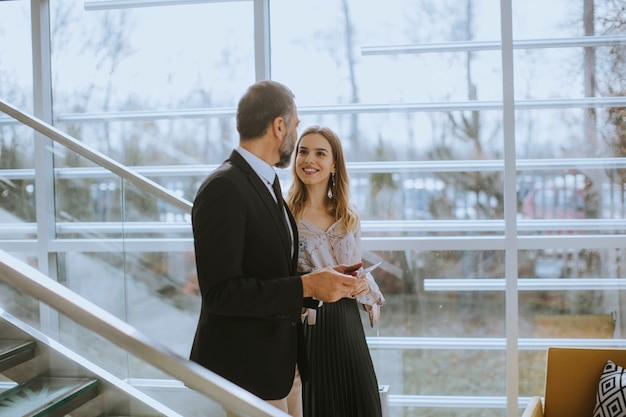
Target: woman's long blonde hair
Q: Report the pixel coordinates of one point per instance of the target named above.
(338, 206)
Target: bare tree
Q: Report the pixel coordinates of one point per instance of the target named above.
(354, 93)
(589, 73)
(111, 46)
(468, 128)
(611, 20)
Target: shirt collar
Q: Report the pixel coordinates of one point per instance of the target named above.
(264, 170)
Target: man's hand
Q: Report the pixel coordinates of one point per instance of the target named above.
(329, 284)
(362, 287)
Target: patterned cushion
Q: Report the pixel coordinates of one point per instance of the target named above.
(611, 394)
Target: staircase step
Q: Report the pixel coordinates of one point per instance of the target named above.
(14, 352)
(47, 396)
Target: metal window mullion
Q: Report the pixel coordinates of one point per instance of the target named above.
(510, 210)
(262, 46)
(44, 163)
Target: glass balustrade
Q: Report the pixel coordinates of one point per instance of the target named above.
(70, 355)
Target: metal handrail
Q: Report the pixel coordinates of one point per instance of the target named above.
(369, 167)
(97, 157)
(525, 284)
(475, 46)
(34, 283)
(407, 227)
(130, 4)
(351, 108)
(485, 343)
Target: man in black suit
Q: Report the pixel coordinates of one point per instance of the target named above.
(250, 330)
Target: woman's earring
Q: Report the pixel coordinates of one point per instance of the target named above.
(331, 185)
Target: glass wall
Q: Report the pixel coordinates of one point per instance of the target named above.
(416, 91)
(16, 142)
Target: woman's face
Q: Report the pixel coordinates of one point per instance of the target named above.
(314, 160)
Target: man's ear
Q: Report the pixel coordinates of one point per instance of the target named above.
(279, 126)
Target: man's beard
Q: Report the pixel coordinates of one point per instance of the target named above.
(285, 151)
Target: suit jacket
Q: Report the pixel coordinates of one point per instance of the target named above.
(249, 330)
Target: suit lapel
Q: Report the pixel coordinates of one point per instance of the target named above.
(296, 240)
(268, 201)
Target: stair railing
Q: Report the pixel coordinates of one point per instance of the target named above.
(37, 285)
(97, 157)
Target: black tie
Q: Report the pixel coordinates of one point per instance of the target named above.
(281, 203)
(279, 194)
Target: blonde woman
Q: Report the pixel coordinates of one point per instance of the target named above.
(343, 382)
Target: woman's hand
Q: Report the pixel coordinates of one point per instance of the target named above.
(349, 269)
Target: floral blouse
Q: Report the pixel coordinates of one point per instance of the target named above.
(320, 249)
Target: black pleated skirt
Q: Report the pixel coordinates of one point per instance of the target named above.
(343, 382)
